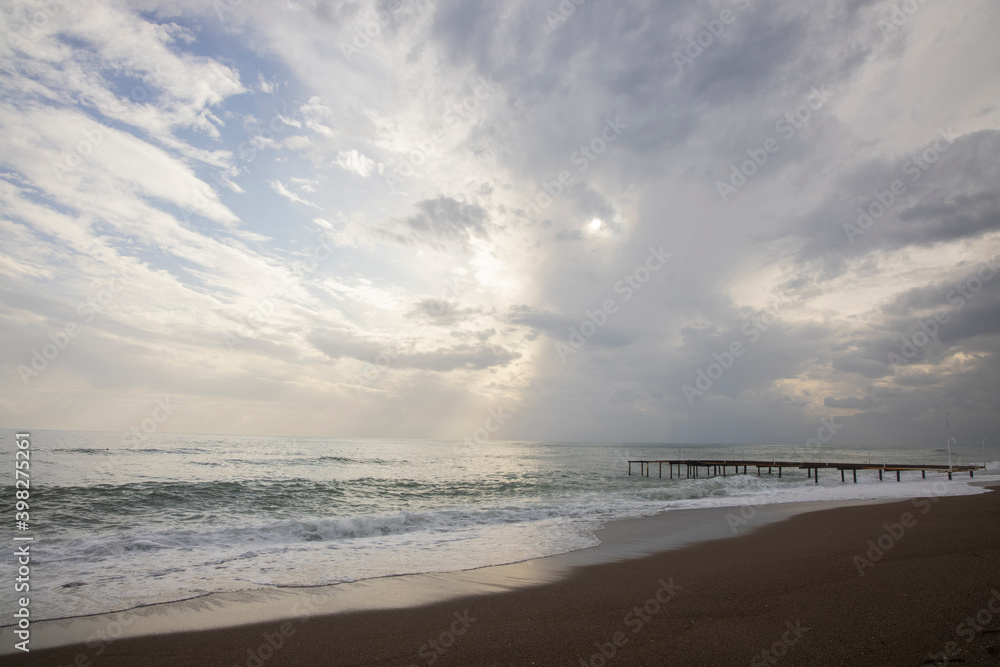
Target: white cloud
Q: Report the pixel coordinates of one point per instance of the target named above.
(354, 162)
(280, 188)
(178, 190)
(305, 184)
(265, 86)
(316, 114)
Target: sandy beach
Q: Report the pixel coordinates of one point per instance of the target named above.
(466, 332)
(902, 583)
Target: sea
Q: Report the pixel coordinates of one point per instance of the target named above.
(120, 521)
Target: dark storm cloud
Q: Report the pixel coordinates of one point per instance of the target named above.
(726, 101)
(343, 343)
(560, 327)
(337, 343)
(441, 223)
(951, 217)
(687, 114)
(955, 197)
(540, 321)
(442, 312)
(460, 357)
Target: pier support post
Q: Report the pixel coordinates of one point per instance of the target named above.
(629, 467)
(779, 472)
(661, 469)
(842, 475)
(880, 474)
(949, 475)
(923, 474)
(970, 473)
(855, 471)
(816, 474)
(897, 475)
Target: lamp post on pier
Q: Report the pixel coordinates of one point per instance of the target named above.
(949, 439)
(984, 450)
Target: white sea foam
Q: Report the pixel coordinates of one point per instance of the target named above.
(140, 526)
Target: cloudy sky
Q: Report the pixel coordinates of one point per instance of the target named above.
(634, 221)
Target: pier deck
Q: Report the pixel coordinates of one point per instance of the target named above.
(692, 467)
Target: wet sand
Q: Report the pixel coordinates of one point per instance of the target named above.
(899, 583)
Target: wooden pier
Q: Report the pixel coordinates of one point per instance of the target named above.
(713, 467)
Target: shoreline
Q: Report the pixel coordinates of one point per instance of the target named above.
(626, 544)
(620, 539)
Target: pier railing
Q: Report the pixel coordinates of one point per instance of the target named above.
(713, 467)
